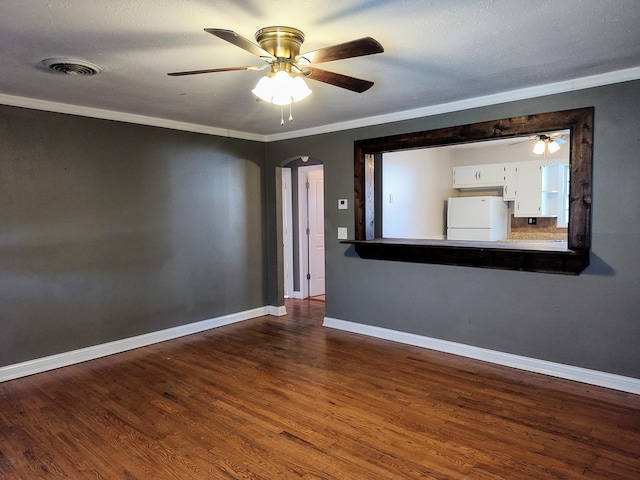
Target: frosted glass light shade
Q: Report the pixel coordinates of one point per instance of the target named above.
(539, 147)
(263, 89)
(281, 89)
(553, 146)
(300, 89)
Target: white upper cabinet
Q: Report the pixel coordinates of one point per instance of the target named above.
(479, 176)
(528, 198)
(535, 187)
(538, 189)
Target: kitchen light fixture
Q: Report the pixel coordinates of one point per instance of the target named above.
(545, 143)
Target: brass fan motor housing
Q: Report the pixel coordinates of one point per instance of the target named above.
(281, 42)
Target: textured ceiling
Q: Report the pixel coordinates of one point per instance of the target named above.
(436, 52)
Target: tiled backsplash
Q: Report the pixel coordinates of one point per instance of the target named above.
(544, 229)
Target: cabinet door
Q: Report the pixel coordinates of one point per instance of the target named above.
(478, 176)
(491, 175)
(465, 176)
(528, 200)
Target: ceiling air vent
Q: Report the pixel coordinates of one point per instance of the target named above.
(70, 67)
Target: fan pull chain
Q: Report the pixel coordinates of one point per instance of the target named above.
(282, 113)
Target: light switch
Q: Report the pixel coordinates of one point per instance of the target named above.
(342, 233)
(343, 204)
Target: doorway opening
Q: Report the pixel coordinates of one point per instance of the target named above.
(303, 229)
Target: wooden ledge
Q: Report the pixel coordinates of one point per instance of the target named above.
(551, 257)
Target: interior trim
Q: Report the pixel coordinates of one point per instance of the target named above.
(91, 112)
(476, 102)
(559, 370)
(581, 83)
(39, 365)
(367, 187)
(280, 311)
(465, 254)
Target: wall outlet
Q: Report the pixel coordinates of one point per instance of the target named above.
(532, 220)
(343, 204)
(343, 233)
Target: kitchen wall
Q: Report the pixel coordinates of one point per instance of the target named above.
(587, 321)
(417, 183)
(505, 151)
(110, 230)
(415, 187)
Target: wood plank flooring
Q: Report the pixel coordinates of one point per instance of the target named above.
(285, 398)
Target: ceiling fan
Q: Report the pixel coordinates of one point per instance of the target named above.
(279, 47)
(545, 142)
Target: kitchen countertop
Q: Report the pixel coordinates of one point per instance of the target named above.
(537, 236)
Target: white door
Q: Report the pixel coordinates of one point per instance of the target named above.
(315, 237)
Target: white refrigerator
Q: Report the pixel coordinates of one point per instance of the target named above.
(477, 218)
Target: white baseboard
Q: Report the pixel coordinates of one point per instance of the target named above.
(280, 311)
(64, 359)
(568, 372)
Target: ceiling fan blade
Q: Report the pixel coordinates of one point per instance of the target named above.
(523, 140)
(559, 140)
(211, 70)
(337, 79)
(239, 41)
(354, 48)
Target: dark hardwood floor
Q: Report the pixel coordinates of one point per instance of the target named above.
(280, 398)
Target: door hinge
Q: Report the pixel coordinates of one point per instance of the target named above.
(308, 276)
(308, 231)
(306, 185)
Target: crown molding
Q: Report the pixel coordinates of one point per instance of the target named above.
(581, 83)
(81, 111)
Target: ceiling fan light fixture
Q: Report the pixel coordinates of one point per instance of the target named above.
(280, 47)
(281, 88)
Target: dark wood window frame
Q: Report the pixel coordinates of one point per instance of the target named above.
(571, 261)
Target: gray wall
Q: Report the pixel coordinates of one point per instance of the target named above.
(109, 230)
(590, 321)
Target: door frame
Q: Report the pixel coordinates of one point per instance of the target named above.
(287, 233)
(303, 218)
